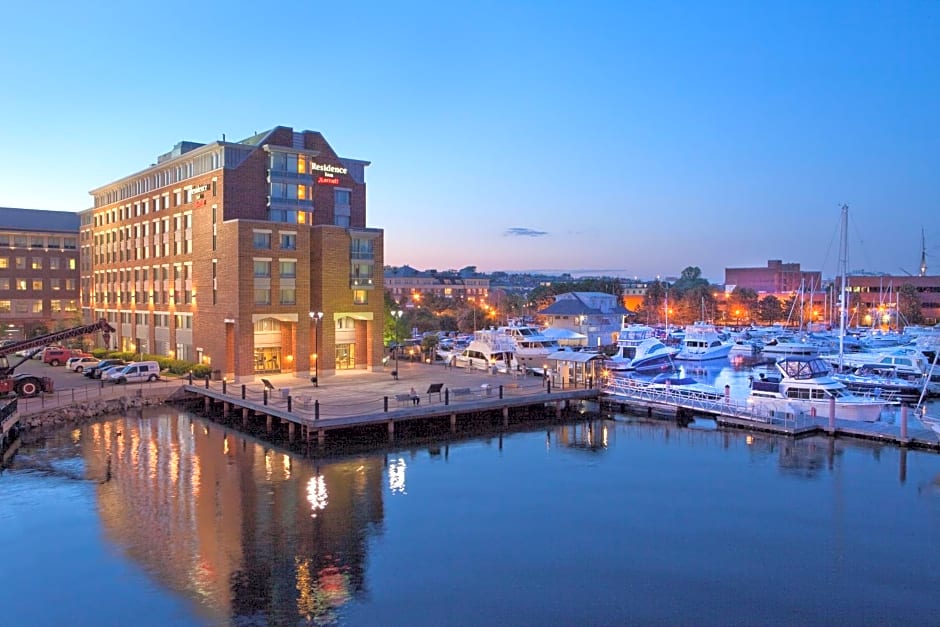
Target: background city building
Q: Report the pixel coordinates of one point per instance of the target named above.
(595, 315)
(39, 259)
(408, 286)
(776, 278)
(250, 257)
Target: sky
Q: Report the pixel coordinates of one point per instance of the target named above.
(619, 138)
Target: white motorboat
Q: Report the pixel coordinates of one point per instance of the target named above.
(785, 345)
(639, 349)
(486, 352)
(805, 386)
(702, 342)
(529, 345)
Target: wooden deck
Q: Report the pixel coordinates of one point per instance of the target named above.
(308, 418)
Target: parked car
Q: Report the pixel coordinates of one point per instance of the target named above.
(95, 371)
(79, 364)
(134, 372)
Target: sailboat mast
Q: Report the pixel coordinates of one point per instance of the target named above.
(843, 264)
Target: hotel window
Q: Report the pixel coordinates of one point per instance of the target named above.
(21, 306)
(54, 242)
(36, 263)
(262, 268)
(55, 284)
(288, 296)
(37, 285)
(341, 197)
(5, 306)
(20, 263)
(21, 285)
(288, 269)
(55, 306)
(360, 297)
(4, 283)
(35, 306)
(4, 239)
(288, 241)
(341, 216)
(262, 296)
(70, 243)
(19, 241)
(72, 264)
(37, 242)
(70, 284)
(262, 240)
(4, 263)
(53, 263)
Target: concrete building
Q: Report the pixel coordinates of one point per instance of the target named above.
(39, 259)
(874, 298)
(250, 256)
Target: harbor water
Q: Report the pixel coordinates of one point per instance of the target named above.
(163, 517)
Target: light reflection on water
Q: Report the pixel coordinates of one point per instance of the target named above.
(173, 519)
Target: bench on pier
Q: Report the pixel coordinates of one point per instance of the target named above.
(457, 393)
(403, 399)
(435, 388)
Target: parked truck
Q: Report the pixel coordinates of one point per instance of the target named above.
(29, 384)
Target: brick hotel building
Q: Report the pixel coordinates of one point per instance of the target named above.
(251, 257)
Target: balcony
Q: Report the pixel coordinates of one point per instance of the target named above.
(361, 283)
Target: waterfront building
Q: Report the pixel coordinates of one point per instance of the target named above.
(596, 316)
(633, 292)
(776, 278)
(250, 257)
(408, 286)
(39, 273)
(873, 299)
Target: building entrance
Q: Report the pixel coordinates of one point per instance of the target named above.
(345, 356)
(268, 359)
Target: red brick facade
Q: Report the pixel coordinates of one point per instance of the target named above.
(249, 266)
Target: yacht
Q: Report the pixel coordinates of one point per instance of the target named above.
(875, 380)
(638, 349)
(485, 352)
(804, 385)
(784, 345)
(529, 345)
(702, 342)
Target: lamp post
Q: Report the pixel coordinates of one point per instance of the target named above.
(397, 314)
(316, 317)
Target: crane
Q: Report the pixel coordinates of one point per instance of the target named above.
(29, 384)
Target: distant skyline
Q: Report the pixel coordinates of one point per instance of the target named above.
(519, 135)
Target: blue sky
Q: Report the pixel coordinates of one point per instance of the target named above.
(634, 138)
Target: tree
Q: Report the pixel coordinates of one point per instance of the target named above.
(909, 305)
(651, 309)
(770, 309)
(746, 301)
(690, 278)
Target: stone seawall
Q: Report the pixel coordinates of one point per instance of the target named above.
(80, 413)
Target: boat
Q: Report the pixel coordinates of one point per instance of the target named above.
(686, 387)
(804, 385)
(702, 342)
(876, 380)
(784, 345)
(640, 350)
(486, 351)
(529, 345)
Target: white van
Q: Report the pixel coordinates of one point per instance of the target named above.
(136, 372)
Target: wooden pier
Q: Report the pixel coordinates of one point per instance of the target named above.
(307, 419)
(735, 414)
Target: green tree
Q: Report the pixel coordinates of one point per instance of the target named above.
(651, 309)
(909, 305)
(770, 309)
(690, 278)
(746, 301)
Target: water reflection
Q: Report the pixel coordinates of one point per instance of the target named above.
(243, 528)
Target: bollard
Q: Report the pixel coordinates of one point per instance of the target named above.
(447, 396)
(207, 383)
(500, 391)
(548, 386)
(243, 391)
(289, 404)
(385, 404)
(223, 385)
(904, 422)
(832, 414)
(265, 396)
(190, 377)
(727, 393)
(316, 409)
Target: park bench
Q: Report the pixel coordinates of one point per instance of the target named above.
(457, 393)
(403, 399)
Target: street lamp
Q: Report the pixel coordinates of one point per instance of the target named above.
(316, 317)
(397, 314)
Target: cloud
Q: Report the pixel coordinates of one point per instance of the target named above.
(518, 231)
